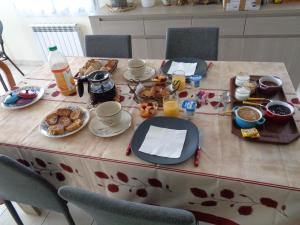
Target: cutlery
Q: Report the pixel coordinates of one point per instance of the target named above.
(128, 149)
(198, 151)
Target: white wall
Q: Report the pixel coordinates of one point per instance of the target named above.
(18, 37)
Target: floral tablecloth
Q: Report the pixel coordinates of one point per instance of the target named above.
(237, 182)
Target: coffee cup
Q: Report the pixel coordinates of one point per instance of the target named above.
(248, 117)
(137, 67)
(109, 113)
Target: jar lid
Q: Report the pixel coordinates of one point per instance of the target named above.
(243, 90)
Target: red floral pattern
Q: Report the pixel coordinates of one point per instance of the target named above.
(133, 184)
(244, 204)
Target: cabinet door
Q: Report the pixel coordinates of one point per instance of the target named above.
(286, 25)
(160, 27)
(230, 49)
(227, 26)
(156, 48)
(139, 48)
(132, 27)
(274, 50)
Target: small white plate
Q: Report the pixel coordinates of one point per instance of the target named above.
(40, 91)
(43, 128)
(101, 130)
(149, 73)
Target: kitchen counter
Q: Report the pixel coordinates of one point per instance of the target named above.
(290, 9)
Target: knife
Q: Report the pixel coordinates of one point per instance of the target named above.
(198, 151)
(128, 149)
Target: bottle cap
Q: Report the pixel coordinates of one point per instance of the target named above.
(52, 48)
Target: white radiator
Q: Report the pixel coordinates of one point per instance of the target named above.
(66, 37)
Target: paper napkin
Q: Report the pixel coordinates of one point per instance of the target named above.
(188, 68)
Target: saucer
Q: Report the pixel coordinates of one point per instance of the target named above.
(101, 130)
(149, 73)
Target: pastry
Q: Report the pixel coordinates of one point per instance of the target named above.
(51, 119)
(64, 112)
(65, 121)
(56, 129)
(75, 114)
(74, 126)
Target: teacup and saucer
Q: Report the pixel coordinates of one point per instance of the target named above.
(109, 120)
(138, 70)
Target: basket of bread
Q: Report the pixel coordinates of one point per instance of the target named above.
(64, 121)
(154, 90)
(92, 65)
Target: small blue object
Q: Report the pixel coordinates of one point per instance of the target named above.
(11, 98)
(190, 106)
(196, 80)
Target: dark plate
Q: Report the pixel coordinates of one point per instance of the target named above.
(189, 147)
(201, 68)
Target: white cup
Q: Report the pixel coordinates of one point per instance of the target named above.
(137, 67)
(109, 113)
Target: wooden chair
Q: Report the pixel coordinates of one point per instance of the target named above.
(4, 70)
(3, 55)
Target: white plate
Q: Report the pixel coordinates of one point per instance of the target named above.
(43, 128)
(39, 90)
(149, 73)
(101, 130)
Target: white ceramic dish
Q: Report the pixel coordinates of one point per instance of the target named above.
(149, 73)
(43, 128)
(101, 130)
(40, 92)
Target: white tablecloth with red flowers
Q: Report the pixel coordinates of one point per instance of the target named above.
(237, 182)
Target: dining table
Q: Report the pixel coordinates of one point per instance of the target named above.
(236, 181)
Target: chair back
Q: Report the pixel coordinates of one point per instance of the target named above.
(108, 46)
(195, 42)
(108, 211)
(4, 70)
(21, 184)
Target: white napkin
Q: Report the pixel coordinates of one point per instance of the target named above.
(163, 142)
(188, 68)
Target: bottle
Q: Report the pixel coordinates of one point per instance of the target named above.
(61, 70)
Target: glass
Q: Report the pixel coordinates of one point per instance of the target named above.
(179, 76)
(171, 106)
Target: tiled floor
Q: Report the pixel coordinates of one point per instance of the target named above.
(46, 218)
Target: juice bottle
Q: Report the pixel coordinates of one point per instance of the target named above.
(61, 70)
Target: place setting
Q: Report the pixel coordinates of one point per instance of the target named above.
(138, 71)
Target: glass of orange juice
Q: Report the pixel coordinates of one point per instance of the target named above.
(179, 76)
(171, 106)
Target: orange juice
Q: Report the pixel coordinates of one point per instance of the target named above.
(179, 76)
(171, 108)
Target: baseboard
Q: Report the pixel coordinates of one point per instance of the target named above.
(28, 62)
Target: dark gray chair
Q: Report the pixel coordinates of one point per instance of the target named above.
(108, 211)
(20, 184)
(3, 55)
(195, 42)
(108, 46)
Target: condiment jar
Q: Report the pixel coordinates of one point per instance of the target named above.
(241, 78)
(242, 93)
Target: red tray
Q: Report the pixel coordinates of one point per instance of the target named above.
(270, 132)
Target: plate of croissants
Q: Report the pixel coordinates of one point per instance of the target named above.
(64, 121)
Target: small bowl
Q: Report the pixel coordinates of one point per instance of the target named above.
(269, 85)
(277, 117)
(148, 109)
(244, 123)
(241, 78)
